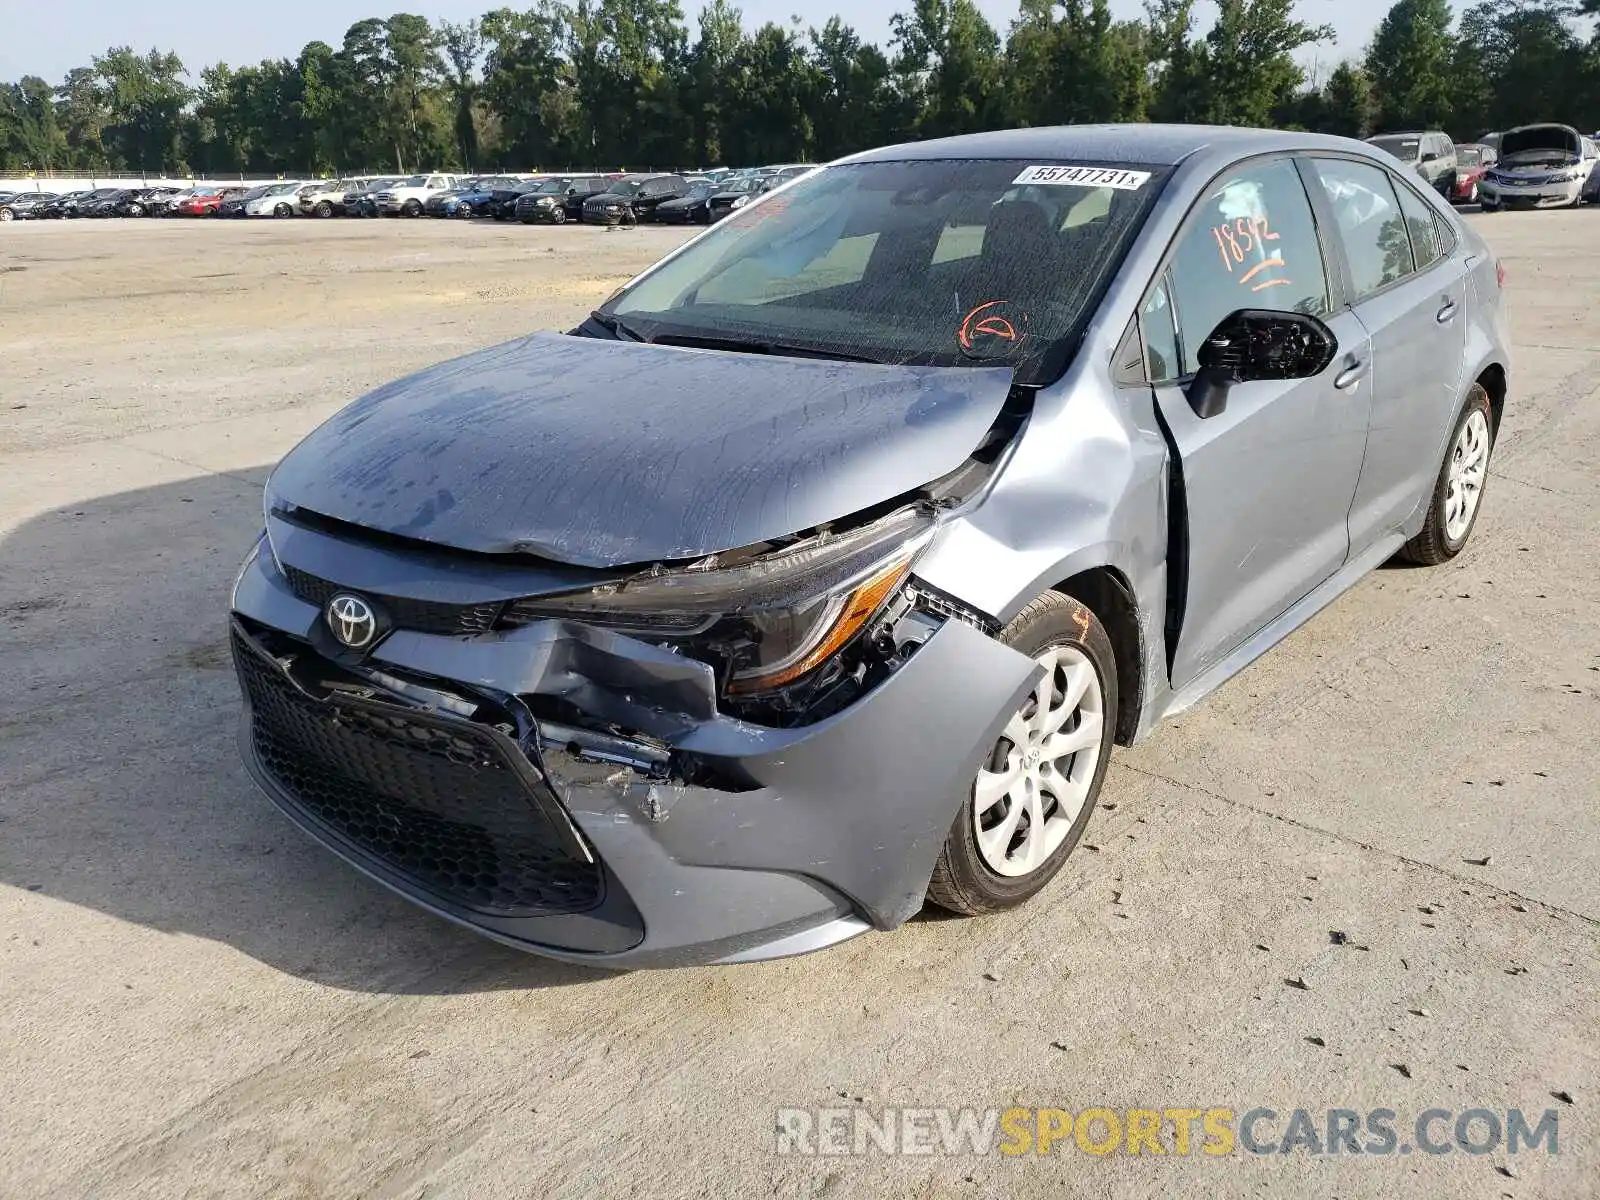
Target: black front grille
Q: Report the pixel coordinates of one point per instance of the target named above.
(422, 616)
(435, 798)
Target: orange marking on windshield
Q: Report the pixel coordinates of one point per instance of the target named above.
(1271, 283)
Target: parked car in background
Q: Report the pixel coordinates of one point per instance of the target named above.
(839, 600)
(360, 200)
(632, 198)
(144, 202)
(279, 200)
(734, 194)
(1540, 166)
(234, 206)
(1430, 153)
(691, 208)
(408, 197)
(160, 204)
(324, 199)
(52, 210)
(24, 206)
(455, 201)
(494, 197)
(204, 202)
(558, 199)
(1472, 161)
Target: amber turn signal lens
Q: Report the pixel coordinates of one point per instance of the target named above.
(858, 610)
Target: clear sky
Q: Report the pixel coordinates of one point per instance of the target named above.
(47, 37)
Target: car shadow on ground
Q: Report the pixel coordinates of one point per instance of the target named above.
(121, 786)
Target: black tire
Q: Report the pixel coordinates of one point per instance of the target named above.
(324, 209)
(282, 210)
(963, 883)
(412, 208)
(559, 216)
(1434, 545)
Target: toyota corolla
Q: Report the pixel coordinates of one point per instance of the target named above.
(815, 574)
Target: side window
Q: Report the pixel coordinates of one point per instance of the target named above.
(1160, 331)
(1251, 242)
(1368, 216)
(1423, 225)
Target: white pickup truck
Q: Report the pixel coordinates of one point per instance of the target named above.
(405, 199)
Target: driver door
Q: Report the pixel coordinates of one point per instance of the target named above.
(1267, 483)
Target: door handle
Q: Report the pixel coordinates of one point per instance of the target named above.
(1355, 370)
(1447, 311)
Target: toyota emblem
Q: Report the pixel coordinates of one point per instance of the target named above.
(352, 621)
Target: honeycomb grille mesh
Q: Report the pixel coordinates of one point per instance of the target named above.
(434, 799)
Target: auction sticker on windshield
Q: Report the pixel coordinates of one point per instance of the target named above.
(1065, 174)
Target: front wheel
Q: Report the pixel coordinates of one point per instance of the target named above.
(1033, 796)
(559, 216)
(282, 210)
(324, 209)
(1458, 492)
(413, 208)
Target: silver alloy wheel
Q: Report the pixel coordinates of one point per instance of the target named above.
(1469, 463)
(1048, 752)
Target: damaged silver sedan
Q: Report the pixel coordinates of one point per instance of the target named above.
(815, 574)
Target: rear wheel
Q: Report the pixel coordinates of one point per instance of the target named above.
(1458, 492)
(1033, 797)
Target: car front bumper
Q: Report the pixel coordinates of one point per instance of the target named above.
(821, 832)
(1546, 195)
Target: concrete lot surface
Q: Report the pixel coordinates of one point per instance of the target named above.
(195, 1001)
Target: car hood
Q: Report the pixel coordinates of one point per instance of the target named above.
(601, 453)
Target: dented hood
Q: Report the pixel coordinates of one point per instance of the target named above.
(603, 453)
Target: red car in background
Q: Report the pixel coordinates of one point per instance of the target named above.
(1472, 161)
(203, 203)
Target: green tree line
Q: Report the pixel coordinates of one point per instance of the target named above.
(605, 83)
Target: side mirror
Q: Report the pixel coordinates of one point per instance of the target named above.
(1256, 344)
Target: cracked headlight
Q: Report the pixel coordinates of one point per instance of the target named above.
(763, 620)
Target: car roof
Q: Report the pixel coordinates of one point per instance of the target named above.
(1155, 145)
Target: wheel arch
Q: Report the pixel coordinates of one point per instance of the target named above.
(1110, 595)
(1493, 380)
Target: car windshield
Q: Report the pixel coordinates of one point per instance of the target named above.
(946, 262)
(1406, 149)
(747, 184)
(281, 189)
(416, 181)
(550, 187)
(1469, 156)
(700, 191)
(255, 193)
(624, 187)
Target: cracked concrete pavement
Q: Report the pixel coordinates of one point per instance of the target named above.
(196, 1001)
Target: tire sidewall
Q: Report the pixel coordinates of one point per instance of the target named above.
(1031, 634)
(1477, 401)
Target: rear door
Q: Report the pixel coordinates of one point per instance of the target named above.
(1266, 485)
(1409, 292)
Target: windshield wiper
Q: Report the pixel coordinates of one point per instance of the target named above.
(760, 346)
(616, 325)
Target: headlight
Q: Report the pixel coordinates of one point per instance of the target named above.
(545, 201)
(741, 201)
(763, 621)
